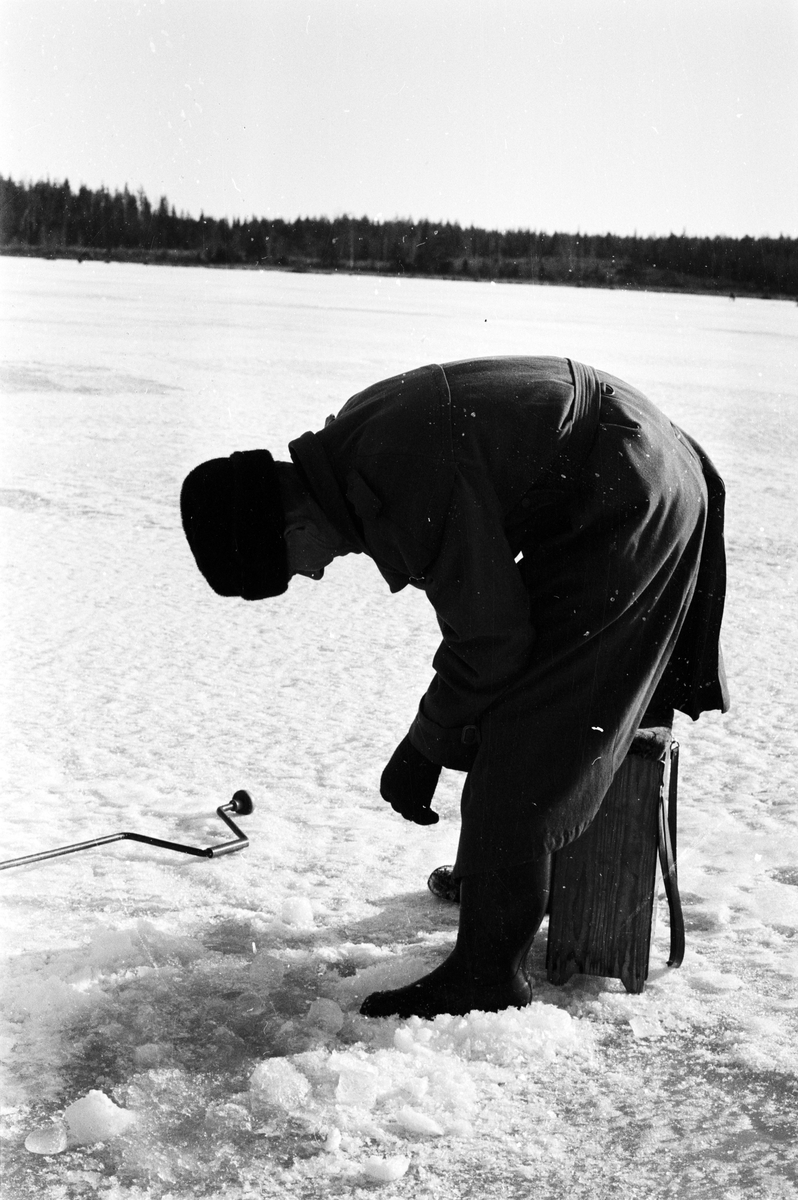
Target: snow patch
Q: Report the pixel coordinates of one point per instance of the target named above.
(714, 981)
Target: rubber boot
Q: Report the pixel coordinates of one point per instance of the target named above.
(500, 913)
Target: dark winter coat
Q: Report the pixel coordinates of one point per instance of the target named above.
(570, 539)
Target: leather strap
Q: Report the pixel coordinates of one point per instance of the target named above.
(666, 844)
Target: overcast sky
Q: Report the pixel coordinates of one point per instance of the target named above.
(654, 116)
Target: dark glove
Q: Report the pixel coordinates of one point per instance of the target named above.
(408, 783)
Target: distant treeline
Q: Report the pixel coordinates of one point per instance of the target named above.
(49, 219)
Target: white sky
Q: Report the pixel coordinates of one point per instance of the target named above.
(653, 116)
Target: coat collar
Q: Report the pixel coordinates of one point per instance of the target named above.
(308, 455)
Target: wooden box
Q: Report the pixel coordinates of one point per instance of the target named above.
(604, 883)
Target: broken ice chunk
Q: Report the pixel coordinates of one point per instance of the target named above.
(358, 1081)
(647, 1026)
(277, 1083)
(249, 1005)
(418, 1122)
(267, 971)
(417, 1088)
(95, 1118)
(386, 1170)
(151, 1054)
(50, 1139)
(325, 1015)
(332, 1143)
(297, 911)
(226, 1115)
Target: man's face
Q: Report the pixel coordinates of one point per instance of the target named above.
(309, 552)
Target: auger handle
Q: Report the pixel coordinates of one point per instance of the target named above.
(241, 804)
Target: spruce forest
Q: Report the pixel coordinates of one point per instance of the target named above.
(48, 219)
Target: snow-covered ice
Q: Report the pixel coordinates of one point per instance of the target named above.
(202, 1016)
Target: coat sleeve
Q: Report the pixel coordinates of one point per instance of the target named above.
(483, 612)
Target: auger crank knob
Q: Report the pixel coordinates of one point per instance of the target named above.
(242, 803)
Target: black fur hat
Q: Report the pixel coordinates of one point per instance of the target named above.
(234, 520)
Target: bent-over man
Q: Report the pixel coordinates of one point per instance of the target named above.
(570, 540)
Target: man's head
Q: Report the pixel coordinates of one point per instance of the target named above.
(234, 520)
(251, 524)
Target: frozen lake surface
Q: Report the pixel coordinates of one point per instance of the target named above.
(217, 1001)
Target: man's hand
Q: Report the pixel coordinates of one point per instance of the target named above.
(408, 784)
